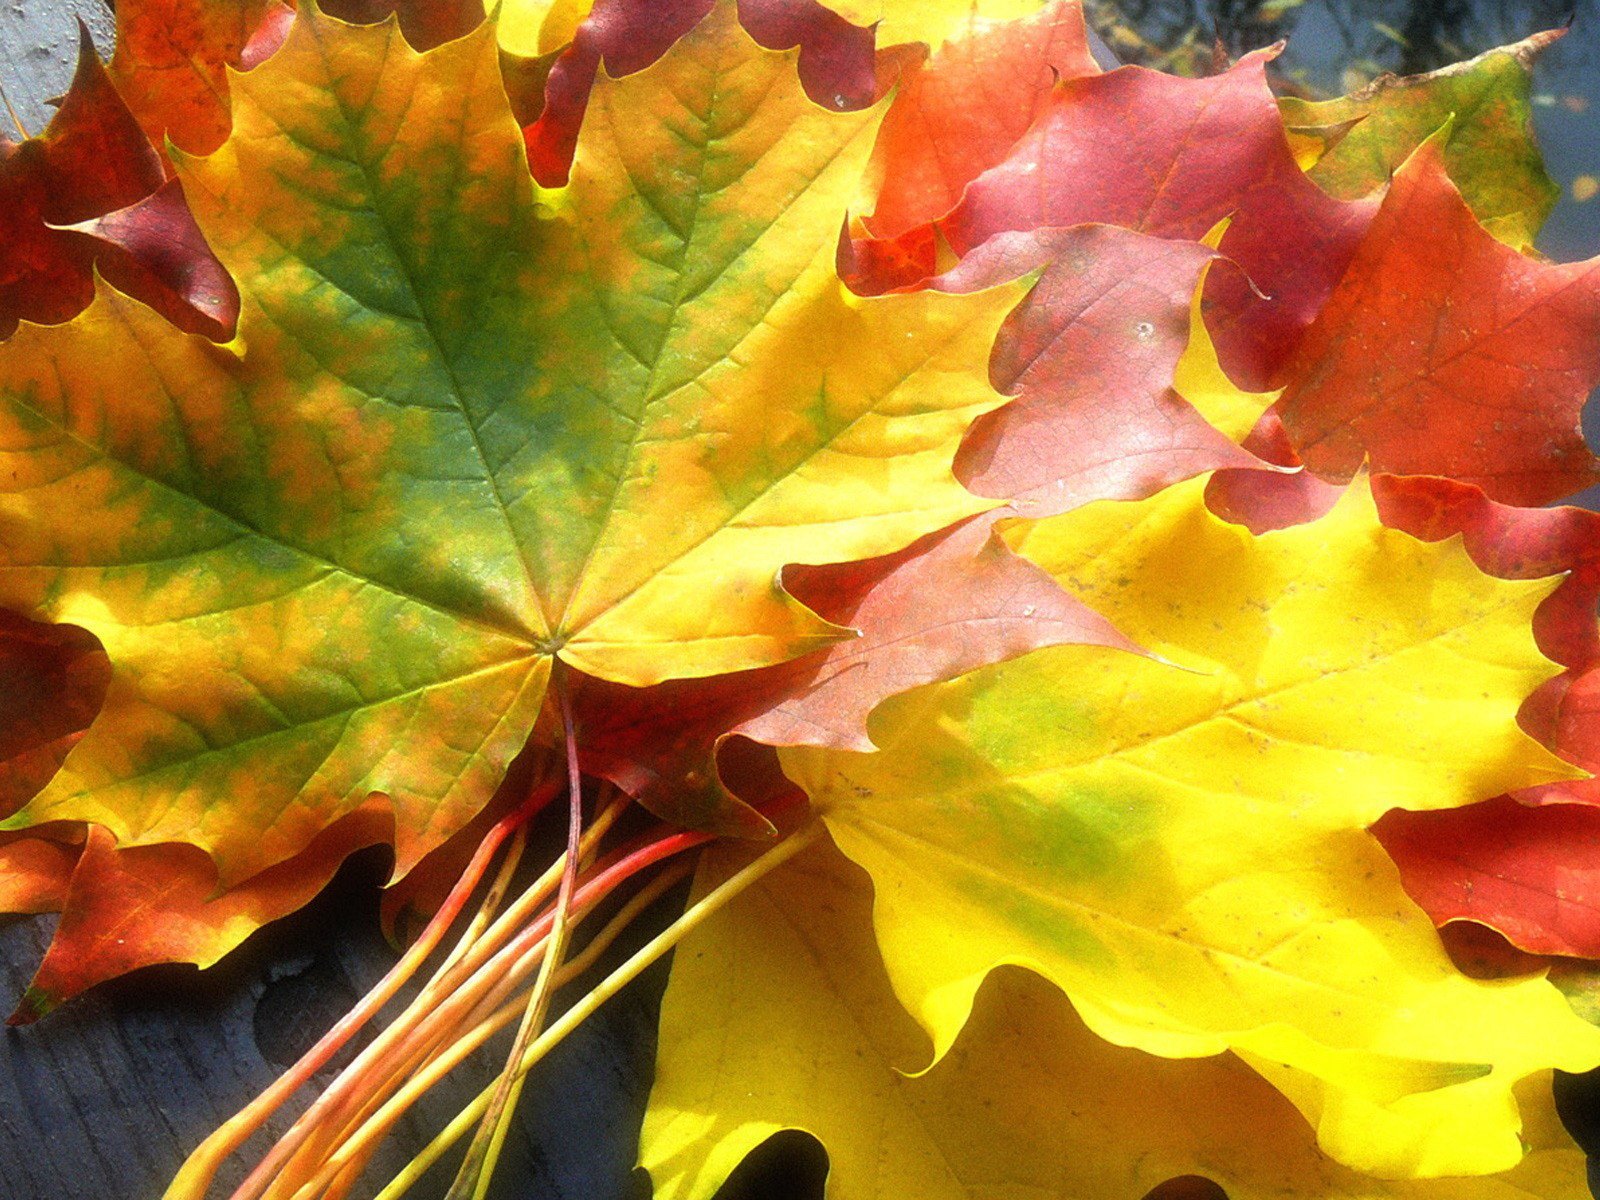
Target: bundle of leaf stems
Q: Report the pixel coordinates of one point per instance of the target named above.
(479, 988)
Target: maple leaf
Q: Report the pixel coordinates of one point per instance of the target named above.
(1173, 157)
(171, 61)
(960, 112)
(1523, 869)
(634, 429)
(87, 195)
(1519, 870)
(121, 908)
(408, 903)
(129, 908)
(1445, 352)
(1092, 356)
(312, 545)
(173, 56)
(779, 1015)
(1530, 874)
(1519, 543)
(153, 251)
(1490, 152)
(1184, 852)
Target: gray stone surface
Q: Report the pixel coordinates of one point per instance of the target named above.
(38, 46)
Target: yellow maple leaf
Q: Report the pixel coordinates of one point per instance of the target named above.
(532, 27)
(1181, 845)
(1200, 379)
(780, 1016)
(928, 21)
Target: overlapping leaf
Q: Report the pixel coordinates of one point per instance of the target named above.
(430, 23)
(930, 22)
(1512, 543)
(1523, 871)
(173, 56)
(779, 1016)
(54, 679)
(462, 433)
(1184, 851)
(1503, 540)
(86, 195)
(949, 603)
(1445, 352)
(1092, 357)
(121, 908)
(1173, 157)
(1490, 153)
(959, 113)
(1566, 716)
(836, 63)
(35, 873)
(1530, 873)
(124, 909)
(171, 64)
(531, 28)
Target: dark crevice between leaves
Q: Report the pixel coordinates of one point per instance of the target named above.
(789, 1165)
(1578, 1103)
(1187, 1187)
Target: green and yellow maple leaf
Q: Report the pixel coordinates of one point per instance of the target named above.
(1180, 845)
(465, 429)
(1490, 152)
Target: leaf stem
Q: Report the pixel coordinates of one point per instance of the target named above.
(477, 1168)
(442, 1001)
(415, 1033)
(424, 1074)
(608, 875)
(694, 916)
(489, 905)
(487, 908)
(199, 1169)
